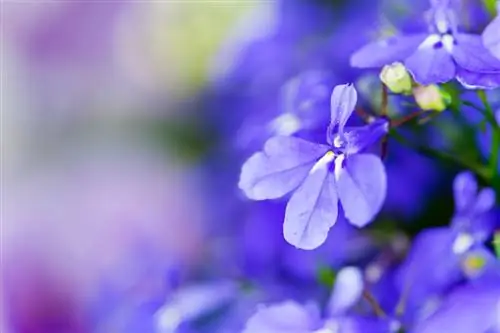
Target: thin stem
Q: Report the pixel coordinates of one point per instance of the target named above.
(363, 115)
(384, 112)
(441, 155)
(495, 138)
(405, 119)
(385, 101)
(490, 117)
(368, 296)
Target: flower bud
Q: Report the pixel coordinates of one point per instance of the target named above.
(396, 78)
(431, 98)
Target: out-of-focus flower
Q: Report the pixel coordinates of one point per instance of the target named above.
(194, 302)
(319, 175)
(491, 35)
(471, 308)
(303, 100)
(81, 219)
(447, 250)
(431, 98)
(438, 57)
(294, 317)
(396, 78)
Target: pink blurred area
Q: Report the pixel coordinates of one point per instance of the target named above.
(66, 226)
(84, 196)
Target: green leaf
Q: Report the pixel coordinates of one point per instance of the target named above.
(326, 276)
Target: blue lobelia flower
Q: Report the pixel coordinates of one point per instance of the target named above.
(470, 308)
(290, 316)
(437, 56)
(320, 175)
(441, 257)
(491, 35)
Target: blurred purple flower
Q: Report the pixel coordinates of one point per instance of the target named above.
(290, 316)
(319, 175)
(470, 308)
(435, 262)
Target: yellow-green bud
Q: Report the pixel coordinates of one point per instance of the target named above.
(396, 78)
(431, 98)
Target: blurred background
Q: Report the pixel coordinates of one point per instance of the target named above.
(124, 125)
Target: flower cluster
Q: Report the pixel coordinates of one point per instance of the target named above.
(448, 278)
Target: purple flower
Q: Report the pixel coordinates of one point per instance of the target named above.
(471, 223)
(441, 257)
(438, 56)
(470, 308)
(321, 175)
(290, 316)
(192, 302)
(491, 36)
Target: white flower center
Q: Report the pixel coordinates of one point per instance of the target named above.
(323, 162)
(446, 40)
(462, 243)
(338, 165)
(285, 124)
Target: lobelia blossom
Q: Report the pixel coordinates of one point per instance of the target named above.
(491, 35)
(443, 256)
(290, 316)
(438, 56)
(470, 308)
(320, 175)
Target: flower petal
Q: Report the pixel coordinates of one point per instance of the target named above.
(360, 138)
(431, 64)
(385, 52)
(475, 305)
(342, 103)
(430, 267)
(471, 54)
(464, 191)
(284, 317)
(362, 187)
(279, 168)
(193, 302)
(475, 80)
(312, 210)
(485, 201)
(346, 291)
(491, 37)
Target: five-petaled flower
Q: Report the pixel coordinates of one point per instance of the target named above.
(320, 175)
(440, 55)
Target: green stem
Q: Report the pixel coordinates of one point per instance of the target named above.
(490, 7)
(489, 116)
(495, 138)
(445, 157)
